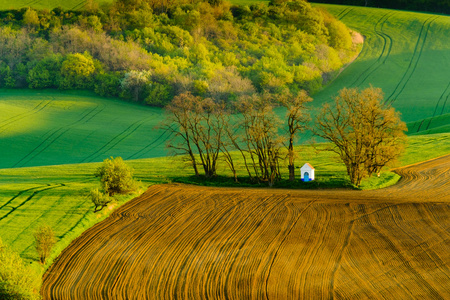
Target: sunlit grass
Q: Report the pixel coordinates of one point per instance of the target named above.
(48, 4)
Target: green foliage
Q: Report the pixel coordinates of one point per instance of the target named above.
(99, 199)
(46, 73)
(171, 41)
(108, 84)
(116, 177)
(44, 238)
(8, 80)
(76, 71)
(134, 84)
(17, 281)
(159, 94)
(365, 132)
(31, 18)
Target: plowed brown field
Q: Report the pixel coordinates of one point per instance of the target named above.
(186, 242)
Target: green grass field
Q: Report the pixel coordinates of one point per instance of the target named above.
(407, 55)
(50, 128)
(46, 4)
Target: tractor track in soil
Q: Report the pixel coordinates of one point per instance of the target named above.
(187, 242)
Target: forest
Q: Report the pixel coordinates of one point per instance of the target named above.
(438, 6)
(149, 52)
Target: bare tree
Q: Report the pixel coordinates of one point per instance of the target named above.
(198, 128)
(207, 134)
(260, 139)
(297, 120)
(366, 133)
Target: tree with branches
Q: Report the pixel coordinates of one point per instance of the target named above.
(259, 137)
(364, 131)
(297, 120)
(197, 125)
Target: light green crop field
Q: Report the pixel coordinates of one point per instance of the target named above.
(57, 195)
(406, 54)
(46, 4)
(50, 128)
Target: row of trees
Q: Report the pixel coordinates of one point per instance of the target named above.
(138, 51)
(205, 130)
(366, 133)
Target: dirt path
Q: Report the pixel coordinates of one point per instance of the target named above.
(185, 242)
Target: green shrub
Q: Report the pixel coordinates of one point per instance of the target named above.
(116, 177)
(99, 199)
(17, 281)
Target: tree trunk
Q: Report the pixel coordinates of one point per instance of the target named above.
(291, 172)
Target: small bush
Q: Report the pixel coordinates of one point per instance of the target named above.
(99, 199)
(17, 281)
(116, 177)
(45, 240)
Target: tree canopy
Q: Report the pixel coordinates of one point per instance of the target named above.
(366, 132)
(152, 51)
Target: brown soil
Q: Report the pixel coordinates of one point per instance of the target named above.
(186, 242)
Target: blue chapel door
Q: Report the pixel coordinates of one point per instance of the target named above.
(306, 176)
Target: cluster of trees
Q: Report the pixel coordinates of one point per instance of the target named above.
(149, 51)
(366, 133)
(205, 131)
(19, 281)
(439, 6)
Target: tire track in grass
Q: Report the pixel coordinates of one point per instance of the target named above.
(51, 139)
(343, 13)
(436, 108)
(445, 103)
(421, 41)
(387, 39)
(79, 5)
(375, 65)
(49, 210)
(148, 147)
(115, 140)
(20, 194)
(42, 105)
(31, 2)
(29, 198)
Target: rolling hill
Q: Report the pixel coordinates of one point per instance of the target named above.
(50, 128)
(406, 54)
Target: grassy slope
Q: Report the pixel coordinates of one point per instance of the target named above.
(406, 54)
(48, 128)
(56, 195)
